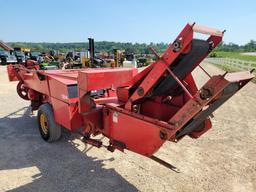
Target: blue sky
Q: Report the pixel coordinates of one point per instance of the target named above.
(122, 20)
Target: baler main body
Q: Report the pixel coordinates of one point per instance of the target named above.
(136, 111)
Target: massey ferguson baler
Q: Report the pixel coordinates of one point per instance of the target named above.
(136, 111)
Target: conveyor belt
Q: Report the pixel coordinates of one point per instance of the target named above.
(181, 67)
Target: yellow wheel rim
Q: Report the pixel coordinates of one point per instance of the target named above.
(43, 123)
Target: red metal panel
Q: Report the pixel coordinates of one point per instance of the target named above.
(158, 110)
(59, 88)
(11, 74)
(104, 78)
(123, 93)
(66, 114)
(137, 135)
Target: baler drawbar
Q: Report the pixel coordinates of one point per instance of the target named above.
(136, 111)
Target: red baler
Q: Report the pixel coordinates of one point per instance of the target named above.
(136, 111)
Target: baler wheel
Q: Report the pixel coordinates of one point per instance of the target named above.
(50, 131)
(22, 90)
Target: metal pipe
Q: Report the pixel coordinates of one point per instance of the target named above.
(179, 82)
(91, 50)
(205, 71)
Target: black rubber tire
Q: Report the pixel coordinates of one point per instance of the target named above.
(3, 61)
(54, 129)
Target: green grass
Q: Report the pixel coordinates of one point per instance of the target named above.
(234, 55)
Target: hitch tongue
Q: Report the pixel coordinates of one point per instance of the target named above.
(93, 142)
(164, 163)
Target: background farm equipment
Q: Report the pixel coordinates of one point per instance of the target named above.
(3, 57)
(144, 60)
(136, 111)
(5, 54)
(21, 54)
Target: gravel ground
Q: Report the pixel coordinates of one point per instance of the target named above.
(224, 159)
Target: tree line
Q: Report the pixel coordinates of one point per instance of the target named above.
(232, 47)
(136, 48)
(101, 46)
